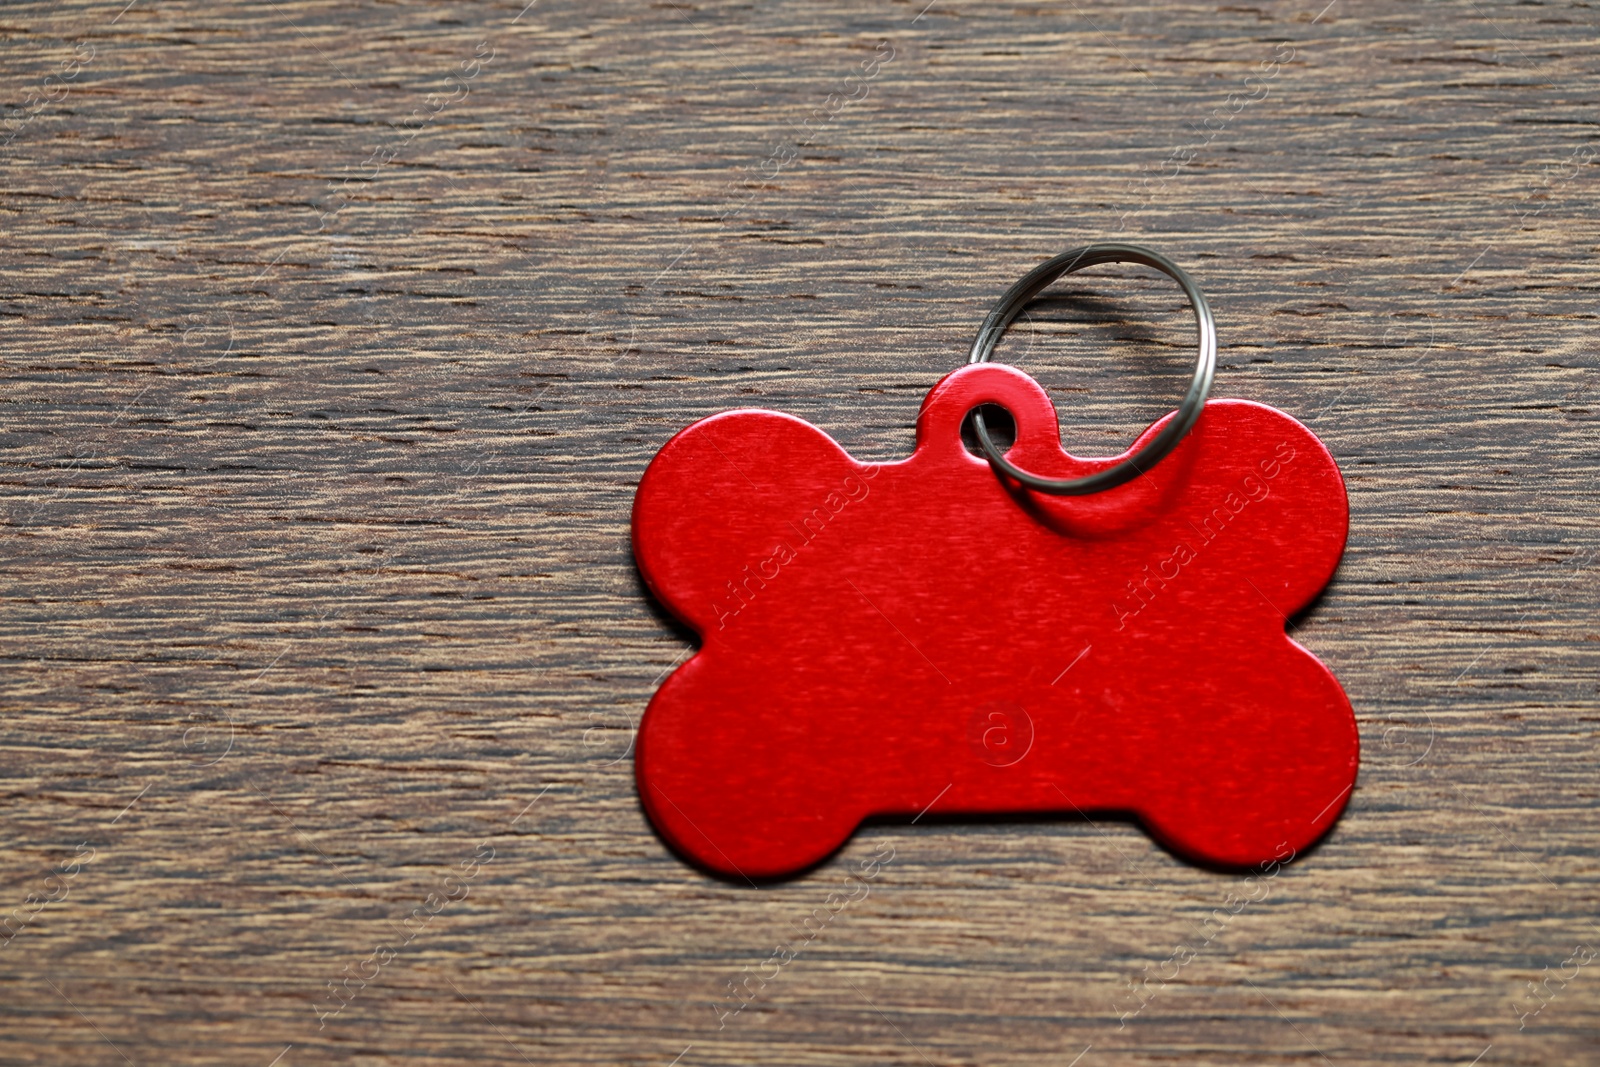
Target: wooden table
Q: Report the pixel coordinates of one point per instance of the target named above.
(329, 377)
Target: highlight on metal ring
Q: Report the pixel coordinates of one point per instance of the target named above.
(1011, 305)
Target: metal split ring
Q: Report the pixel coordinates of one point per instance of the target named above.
(1156, 449)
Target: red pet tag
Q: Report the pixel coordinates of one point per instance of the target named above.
(949, 634)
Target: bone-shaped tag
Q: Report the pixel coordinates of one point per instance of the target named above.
(886, 639)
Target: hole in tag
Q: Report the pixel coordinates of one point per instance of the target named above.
(1002, 429)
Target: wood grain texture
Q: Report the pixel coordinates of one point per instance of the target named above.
(316, 467)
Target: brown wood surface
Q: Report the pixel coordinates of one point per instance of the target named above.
(317, 585)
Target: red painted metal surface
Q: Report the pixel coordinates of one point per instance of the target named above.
(884, 639)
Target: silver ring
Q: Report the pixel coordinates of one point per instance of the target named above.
(1010, 306)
